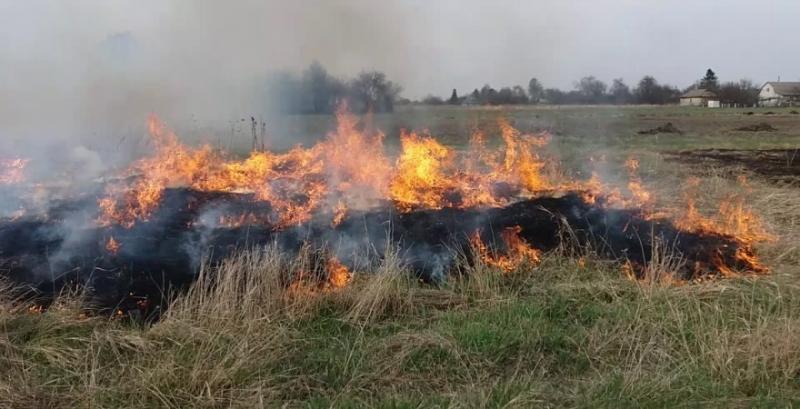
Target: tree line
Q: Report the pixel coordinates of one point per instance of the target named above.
(590, 90)
(315, 91)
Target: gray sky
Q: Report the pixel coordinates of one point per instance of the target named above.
(77, 62)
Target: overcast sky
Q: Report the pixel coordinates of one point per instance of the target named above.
(73, 59)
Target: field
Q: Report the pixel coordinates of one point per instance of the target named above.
(570, 331)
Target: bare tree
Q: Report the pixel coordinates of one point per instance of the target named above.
(620, 92)
(535, 91)
(592, 89)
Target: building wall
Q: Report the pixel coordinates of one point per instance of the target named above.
(769, 98)
(695, 102)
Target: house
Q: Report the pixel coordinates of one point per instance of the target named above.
(700, 97)
(775, 94)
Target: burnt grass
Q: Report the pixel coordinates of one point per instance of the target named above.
(667, 128)
(781, 166)
(759, 127)
(166, 251)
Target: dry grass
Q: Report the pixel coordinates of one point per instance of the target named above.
(567, 332)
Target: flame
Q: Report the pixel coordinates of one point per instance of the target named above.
(12, 171)
(339, 213)
(516, 252)
(338, 274)
(112, 245)
(36, 309)
(349, 170)
(172, 165)
(429, 174)
(420, 178)
(734, 218)
(641, 196)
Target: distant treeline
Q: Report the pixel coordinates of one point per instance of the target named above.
(590, 90)
(315, 91)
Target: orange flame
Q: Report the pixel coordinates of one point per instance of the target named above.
(733, 217)
(349, 170)
(338, 274)
(517, 250)
(113, 246)
(640, 195)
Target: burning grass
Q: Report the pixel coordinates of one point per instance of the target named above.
(150, 228)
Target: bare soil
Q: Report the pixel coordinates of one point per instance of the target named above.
(759, 127)
(781, 166)
(666, 128)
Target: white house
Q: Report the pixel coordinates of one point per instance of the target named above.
(700, 98)
(775, 94)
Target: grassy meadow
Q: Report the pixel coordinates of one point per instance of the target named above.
(571, 331)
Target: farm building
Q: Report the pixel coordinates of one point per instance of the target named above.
(774, 94)
(700, 98)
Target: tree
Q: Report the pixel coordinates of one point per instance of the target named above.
(649, 91)
(620, 93)
(591, 89)
(488, 95)
(554, 96)
(454, 98)
(535, 91)
(322, 91)
(518, 95)
(371, 91)
(710, 81)
(743, 93)
(432, 100)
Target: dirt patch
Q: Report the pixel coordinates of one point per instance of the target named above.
(780, 166)
(759, 127)
(666, 128)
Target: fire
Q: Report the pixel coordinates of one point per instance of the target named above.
(355, 165)
(172, 165)
(12, 171)
(420, 177)
(640, 195)
(733, 217)
(429, 174)
(338, 274)
(349, 170)
(36, 309)
(339, 213)
(349, 164)
(516, 251)
(113, 246)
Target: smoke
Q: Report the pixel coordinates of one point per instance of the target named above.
(88, 73)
